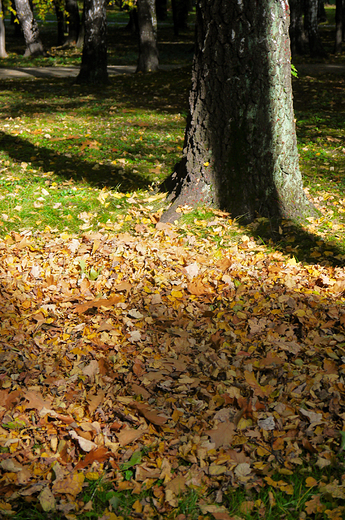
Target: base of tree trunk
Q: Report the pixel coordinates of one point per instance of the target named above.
(87, 77)
(34, 49)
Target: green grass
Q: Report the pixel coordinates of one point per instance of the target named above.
(308, 493)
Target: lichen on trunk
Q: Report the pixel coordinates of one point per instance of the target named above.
(240, 150)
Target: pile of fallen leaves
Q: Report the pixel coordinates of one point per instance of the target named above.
(165, 364)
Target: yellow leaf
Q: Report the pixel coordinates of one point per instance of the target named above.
(215, 469)
(310, 482)
(137, 506)
(176, 294)
(92, 475)
(292, 261)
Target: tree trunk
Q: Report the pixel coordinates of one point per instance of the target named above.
(73, 19)
(297, 34)
(161, 9)
(240, 152)
(94, 59)
(148, 54)
(133, 26)
(3, 53)
(34, 46)
(59, 11)
(338, 26)
(180, 9)
(321, 11)
(315, 44)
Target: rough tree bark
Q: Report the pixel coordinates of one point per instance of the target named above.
(34, 46)
(3, 53)
(94, 58)
(311, 21)
(298, 37)
(240, 151)
(148, 60)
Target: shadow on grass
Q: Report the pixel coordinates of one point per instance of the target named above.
(97, 175)
(292, 239)
(162, 92)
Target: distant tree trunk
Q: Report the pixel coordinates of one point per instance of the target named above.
(3, 53)
(240, 151)
(161, 9)
(343, 10)
(34, 46)
(133, 26)
(297, 33)
(73, 19)
(80, 40)
(321, 11)
(180, 9)
(59, 11)
(315, 44)
(94, 59)
(148, 53)
(338, 26)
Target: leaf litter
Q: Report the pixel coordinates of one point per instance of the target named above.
(157, 362)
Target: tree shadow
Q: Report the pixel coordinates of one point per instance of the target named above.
(73, 167)
(292, 239)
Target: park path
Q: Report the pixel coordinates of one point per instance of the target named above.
(63, 72)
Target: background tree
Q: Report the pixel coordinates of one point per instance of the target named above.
(60, 18)
(148, 60)
(298, 38)
(161, 9)
(3, 53)
(240, 152)
(73, 20)
(316, 48)
(338, 26)
(94, 58)
(180, 10)
(34, 46)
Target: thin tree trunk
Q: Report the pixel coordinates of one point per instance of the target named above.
(73, 19)
(240, 152)
(133, 26)
(161, 9)
(180, 9)
(3, 53)
(59, 11)
(34, 46)
(148, 53)
(338, 26)
(321, 11)
(297, 34)
(94, 59)
(315, 44)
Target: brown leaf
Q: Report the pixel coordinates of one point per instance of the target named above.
(222, 435)
(128, 436)
(100, 454)
(149, 414)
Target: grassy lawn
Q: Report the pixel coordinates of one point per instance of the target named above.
(146, 371)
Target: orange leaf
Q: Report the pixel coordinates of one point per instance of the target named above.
(100, 302)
